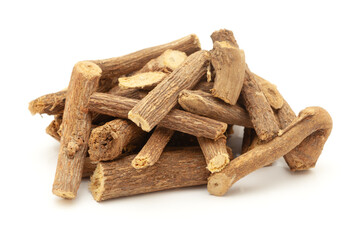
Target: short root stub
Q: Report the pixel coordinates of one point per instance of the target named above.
(218, 184)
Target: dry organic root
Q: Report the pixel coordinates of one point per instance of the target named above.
(178, 120)
(182, 167)
(271, 93)
(215, 153)
(249, 140)
(54, 103)
(312, 120)
(204, 104)
(76, 126)
(147, 80)
(115, 67)
(192, 99)
(229, 64)
(166, 62)
(158, 103)
(54, 127)
(51, 104)
(260, 111)
(154, 147)
(110, 140)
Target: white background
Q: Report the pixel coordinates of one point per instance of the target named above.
(309, 49)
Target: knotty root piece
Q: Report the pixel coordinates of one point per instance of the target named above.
(224, 35)
(147, 80)
(166, 62)
(177, 120)
(51, 104)
(260, 111)
(229, 64)
(149, 111)
(54, 127)
(271, 93)
(182, 167)
(115, 67)
(204, 104)
(76, 127)
(215, 153)
(108, 141)
(311, 120)
(153, 148)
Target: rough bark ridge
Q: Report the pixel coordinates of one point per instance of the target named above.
(158, 103)
(76, 126)
(260, 111)
(177, 168)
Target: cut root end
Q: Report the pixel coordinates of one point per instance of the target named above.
(139, 121)
(64, 194)
(217, 163)
(97, 183)
(218, 184)
(139, 163)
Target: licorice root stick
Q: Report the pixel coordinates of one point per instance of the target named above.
(76, 127)
(176, 168)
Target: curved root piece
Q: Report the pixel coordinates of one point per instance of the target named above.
(312, 120)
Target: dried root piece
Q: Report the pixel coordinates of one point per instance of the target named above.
(229, 64)
(54, 127)
(147, 80)
(204, 104)
(153, 148)
(310, 121)
(260, 111)
(249, 139)
(166, 62)
(110, 140)
(224, 35)
(76, 127)
(51, 104)
(149, 111)
(182, 167)
(89, 167)
(271, 93)
(215, 153)
(177, 120)
(115, 67)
